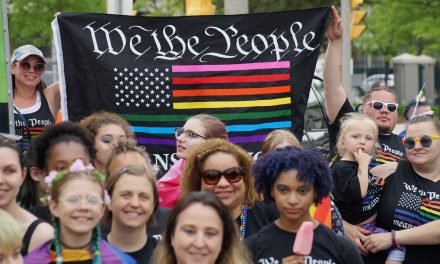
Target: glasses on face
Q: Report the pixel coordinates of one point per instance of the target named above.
(38, 67)
(425, 141)
(191, 134)
(378, 105)
(427, 113)
(212, 177)
(75, 200)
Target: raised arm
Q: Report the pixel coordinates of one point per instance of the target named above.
(52, 93)
(334, 93)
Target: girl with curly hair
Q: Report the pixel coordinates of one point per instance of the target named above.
(107, 129)
(55, 149)
(294, 179)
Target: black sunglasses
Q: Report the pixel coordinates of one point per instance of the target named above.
(378, 105)
(38, 67)
(425, 141)
(212, 177)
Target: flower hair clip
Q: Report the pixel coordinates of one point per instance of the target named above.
(77, 166)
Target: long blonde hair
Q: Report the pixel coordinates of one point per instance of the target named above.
(10, 233)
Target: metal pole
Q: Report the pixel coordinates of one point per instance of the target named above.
(346, 47)
(6, 74)
(233, 7)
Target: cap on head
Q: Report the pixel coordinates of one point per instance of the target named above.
(24, 51)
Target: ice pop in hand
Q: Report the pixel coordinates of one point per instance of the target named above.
(304, 239)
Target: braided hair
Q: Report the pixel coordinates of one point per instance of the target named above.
(96, 244)
(56, 182)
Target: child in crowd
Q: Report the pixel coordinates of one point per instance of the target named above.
(10, 240)
(295, 179)
(356, 190)
(55, 149)
(76, 201)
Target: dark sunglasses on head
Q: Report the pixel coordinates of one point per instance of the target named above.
(38, 67)
(378, 105)
(425, 141)
(212, 177)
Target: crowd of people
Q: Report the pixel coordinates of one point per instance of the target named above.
(87, 193)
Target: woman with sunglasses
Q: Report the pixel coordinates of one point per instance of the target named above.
(196, 129)
(35, 105)
(411, 194)
(224, 169)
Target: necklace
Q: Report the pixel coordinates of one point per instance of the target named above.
(243, 220)
(79, 247)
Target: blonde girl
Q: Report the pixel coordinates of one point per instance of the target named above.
(10, 239)
(356, 190)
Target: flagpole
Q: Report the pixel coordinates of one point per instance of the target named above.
(418, 99)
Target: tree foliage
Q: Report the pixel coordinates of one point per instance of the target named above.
(29, 20)
(177, 7)
(397, 26)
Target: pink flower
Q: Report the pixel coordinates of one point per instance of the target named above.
(77, 166)
(49, 178)
(107, 199)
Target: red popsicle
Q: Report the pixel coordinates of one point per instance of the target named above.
(304, 239)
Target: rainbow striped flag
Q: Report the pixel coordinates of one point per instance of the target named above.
(157, 71)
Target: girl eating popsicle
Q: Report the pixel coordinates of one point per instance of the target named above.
(294, 179)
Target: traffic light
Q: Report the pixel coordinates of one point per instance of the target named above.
(356, 17)
(199, 7)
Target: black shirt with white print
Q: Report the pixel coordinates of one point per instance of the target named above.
(271, 244)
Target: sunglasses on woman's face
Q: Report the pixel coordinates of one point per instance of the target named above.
(26, 66)
(212, 177)
(425, 141)
(378, 105)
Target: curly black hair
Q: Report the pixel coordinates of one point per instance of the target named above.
(64, 132)
(310, 164)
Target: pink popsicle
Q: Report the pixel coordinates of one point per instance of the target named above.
(304, 239)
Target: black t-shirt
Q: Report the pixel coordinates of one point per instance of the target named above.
(42, 212)
(347, 192)
(259, 216)
(271, 244)
(390, 147)
(409, 200)
(143, 255)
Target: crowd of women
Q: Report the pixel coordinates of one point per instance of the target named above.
(86, 193)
